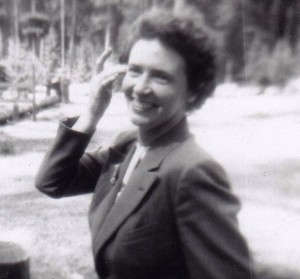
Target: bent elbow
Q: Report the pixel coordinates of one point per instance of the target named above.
(48, 189)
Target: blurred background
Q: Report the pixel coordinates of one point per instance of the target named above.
(251, 124)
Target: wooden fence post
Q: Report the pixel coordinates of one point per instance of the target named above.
(14, 262)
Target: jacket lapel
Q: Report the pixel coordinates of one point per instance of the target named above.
(131, 196)
(101, 212)
(141, 181)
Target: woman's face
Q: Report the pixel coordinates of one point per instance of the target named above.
(155, 84)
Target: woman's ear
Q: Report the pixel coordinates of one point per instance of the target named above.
(191, 98)
(190, 101)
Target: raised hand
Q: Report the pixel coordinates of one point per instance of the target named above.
(100, 93)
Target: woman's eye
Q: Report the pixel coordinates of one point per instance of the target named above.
(161, 79)
(133, 71)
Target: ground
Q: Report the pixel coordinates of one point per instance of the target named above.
(255, 137)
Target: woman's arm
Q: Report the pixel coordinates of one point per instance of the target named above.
(65, 170)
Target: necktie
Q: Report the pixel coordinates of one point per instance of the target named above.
(139, 154)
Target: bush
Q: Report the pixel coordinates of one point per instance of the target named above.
(84, 63)
(19, 65)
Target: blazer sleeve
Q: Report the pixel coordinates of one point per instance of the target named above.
(206, 213)
(66, 170)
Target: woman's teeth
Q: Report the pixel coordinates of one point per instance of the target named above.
(138, 105)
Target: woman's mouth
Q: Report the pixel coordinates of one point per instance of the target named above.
(141, 106)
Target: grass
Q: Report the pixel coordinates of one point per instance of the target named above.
(54, 233)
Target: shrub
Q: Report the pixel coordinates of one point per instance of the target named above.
(275, 66)
(19, 65)
(84, 63)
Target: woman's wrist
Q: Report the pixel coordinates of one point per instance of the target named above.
(86, 123)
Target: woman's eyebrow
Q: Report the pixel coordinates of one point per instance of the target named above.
(133, 65)
(161, 73)
(153, 71)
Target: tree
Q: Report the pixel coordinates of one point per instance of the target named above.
(6, 24)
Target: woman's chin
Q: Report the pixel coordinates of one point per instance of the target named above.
(139, 122)
(142, 122)
(142, 119)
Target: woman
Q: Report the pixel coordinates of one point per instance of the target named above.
(162, 207)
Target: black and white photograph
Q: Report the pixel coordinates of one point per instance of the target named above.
(149, 139)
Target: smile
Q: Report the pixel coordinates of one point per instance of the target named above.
(141, 106)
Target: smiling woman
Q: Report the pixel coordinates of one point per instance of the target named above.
(155, 88)
(162, 207)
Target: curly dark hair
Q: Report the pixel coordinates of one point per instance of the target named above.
(193, 43)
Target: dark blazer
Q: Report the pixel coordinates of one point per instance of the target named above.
(175, 219)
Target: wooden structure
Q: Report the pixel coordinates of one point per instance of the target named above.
(22, 104)
(14, 262)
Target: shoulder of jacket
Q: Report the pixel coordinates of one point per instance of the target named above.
(189, 152)
(190, 156)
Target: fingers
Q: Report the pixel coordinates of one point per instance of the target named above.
(101, 60)
(102, 82)
(108, 81)
(116, 69)
(110, 74)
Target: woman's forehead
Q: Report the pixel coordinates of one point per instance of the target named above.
(152, 52)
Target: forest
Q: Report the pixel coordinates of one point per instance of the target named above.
(257, 40)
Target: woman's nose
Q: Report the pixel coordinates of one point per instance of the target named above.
(141, 85)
